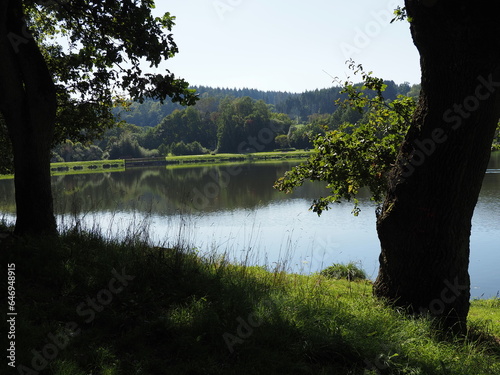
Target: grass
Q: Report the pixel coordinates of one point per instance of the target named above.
(225, 157)
(99, 166)
(80, 167)
(89, 305)
(350, 272)
(486, 315)
(96, 166)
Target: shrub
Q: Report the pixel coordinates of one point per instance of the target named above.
(128, 147)
(282, 141)
(348, 271)
(193, 148)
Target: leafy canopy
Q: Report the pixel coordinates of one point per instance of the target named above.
(96, 51)
(356, 155)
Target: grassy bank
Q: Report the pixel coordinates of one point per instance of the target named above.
(224, 158)
(119, 165)
(87, 305)
(96, 166)
(80, 167)
(188, 160)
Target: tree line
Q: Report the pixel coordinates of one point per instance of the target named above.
(296, 105)
(223, 120)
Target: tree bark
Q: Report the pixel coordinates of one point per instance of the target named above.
(425, 224)
(28, 105)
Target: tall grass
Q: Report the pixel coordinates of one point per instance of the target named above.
(182, 313)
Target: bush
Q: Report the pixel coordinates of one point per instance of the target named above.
(56, 158)
(348, 271)
(282, 141)
(127, 147)
(69, 151)
(193, 148)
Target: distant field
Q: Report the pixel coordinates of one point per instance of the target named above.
(87, 167)
(119, 165)
(221, 158)
(80, 167)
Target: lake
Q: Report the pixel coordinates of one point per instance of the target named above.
(234, 210)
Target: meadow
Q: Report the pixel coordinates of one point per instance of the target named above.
(91, 305)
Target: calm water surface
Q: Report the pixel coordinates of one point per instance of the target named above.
(234, 210)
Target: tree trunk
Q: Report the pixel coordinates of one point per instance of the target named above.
(425, 224)
(28, 105)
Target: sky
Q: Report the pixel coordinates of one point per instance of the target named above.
(288, 45)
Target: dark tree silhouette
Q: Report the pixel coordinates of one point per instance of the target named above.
(40, 81)
(425, 225)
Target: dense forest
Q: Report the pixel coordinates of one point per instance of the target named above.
(223, 120)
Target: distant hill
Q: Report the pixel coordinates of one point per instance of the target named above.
(322, 101)
(297, 106)
(270, 97)
(151, 112)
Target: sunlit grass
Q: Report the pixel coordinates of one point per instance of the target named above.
(485, 314)
(80, 167)
(180, 313)
(118, 165)
(228, 157)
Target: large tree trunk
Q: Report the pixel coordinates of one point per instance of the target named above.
(28, 105)
(425, 224)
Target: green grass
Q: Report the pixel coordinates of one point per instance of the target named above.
(178, 312)
(80, 167)
(350, 272)
(96, 166)
(225, 157)
(486, 315)
(99, 166)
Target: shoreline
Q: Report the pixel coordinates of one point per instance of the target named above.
(121, 165)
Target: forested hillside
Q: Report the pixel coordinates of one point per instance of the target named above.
(223, 120)
(302, 105)
(151, 112)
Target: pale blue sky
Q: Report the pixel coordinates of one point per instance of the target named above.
(287, 45)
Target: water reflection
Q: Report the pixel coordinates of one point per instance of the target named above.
(170, 190)
(234, 209)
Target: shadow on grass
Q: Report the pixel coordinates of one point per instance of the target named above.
(87, 305)
(167, 311)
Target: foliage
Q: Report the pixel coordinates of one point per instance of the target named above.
(193, 148)
(148, 113)
(298, 107)
(496, 140)
(349, 271)
(120, 131)
(356, 155)
(187, 125)
(325, 101)
(6, 157)
(239, 122)
(151, 112)
(128, 147)
(400, 14)
(104, 37)
(75, 151)
(108, 44)
(270, 97)
(282, 141)
(206, 122)
(299, 136)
